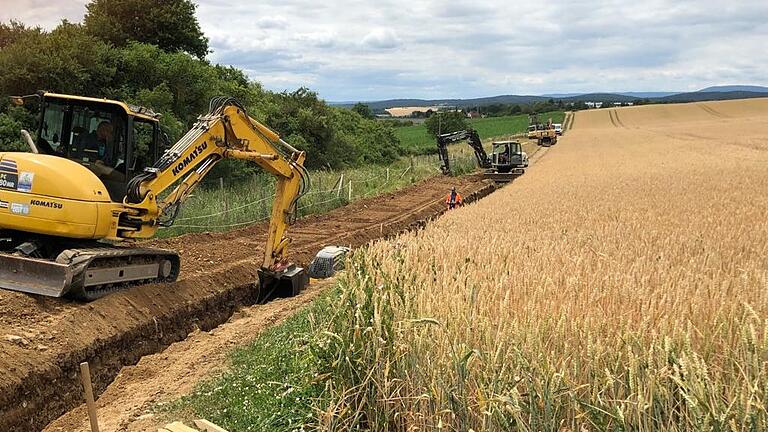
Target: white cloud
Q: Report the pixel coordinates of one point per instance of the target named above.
(382, 38)
(396, 48)
(272, 22)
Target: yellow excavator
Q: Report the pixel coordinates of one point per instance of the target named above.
(101, 174)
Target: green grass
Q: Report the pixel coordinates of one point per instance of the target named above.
(246, 202)
(270, 385)
(416, 140)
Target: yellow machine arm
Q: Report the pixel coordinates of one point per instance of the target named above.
(226, 131)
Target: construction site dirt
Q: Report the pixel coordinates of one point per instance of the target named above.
(44, 340)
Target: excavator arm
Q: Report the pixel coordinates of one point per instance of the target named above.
(473, 139)
(226, 131)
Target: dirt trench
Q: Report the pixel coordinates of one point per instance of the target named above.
(43, 340)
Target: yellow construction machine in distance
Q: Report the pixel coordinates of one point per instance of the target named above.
(544, 133)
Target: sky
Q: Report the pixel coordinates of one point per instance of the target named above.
(383, 49)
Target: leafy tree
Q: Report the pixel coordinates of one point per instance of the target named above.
(305, 121)
(13, 31)
(375, 143)
(10, 134)
(12, 121)
(191, 82)
(169, 24)
(446, 122)
(363, 109)
(64, 60)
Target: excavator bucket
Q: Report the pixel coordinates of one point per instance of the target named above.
(34, 276)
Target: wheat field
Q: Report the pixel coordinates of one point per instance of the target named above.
(620, 284)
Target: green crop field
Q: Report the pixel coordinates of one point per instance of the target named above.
(417, 141)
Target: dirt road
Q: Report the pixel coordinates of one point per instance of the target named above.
(44, 340)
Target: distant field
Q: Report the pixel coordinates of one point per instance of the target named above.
(416, 139)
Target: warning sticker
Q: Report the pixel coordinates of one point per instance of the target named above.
(25, 181)
(20, 209)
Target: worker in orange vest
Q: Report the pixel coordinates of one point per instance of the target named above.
(453, 199)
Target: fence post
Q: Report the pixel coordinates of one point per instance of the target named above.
(350, 191)
(226, 200)
(387, 174)
(85, 377)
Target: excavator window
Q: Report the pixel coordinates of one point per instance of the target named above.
(97, 135)
(93, 134)
(143, 145)
(51, 127)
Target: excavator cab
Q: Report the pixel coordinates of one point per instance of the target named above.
(508, 160)
(508, 156)
(114, 140)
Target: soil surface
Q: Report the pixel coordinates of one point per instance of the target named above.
(43, 340)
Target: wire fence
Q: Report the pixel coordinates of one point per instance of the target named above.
(216, 209)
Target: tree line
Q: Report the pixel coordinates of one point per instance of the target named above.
(152, 54)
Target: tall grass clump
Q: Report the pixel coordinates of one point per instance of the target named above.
(427, 346)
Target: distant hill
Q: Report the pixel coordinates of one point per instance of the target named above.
(712, 95)
(600, 97)
(461, 103)
(633, 94)
(709, 93)
(644, 95)
(734, 88)
(561, 95)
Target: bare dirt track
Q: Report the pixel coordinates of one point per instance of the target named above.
(44, 340)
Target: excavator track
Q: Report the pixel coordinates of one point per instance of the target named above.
(88, 273)
(97, 272)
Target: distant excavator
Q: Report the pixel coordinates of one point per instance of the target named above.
(544, 133)
(507, 161)
(96, 177)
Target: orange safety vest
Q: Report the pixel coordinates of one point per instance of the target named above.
(456, 199)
